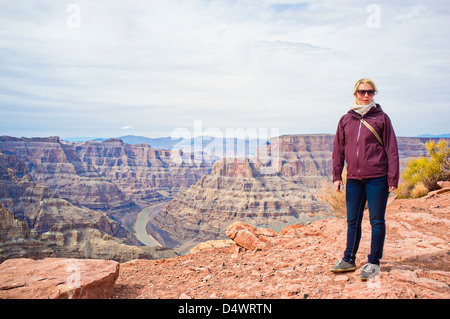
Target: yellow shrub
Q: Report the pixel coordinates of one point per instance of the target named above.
(427, 170)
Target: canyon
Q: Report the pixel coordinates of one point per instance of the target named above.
(109, 175)
(36, 223)
(275, 188)
(81, 200)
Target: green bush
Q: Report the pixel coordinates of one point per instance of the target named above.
(427, 170)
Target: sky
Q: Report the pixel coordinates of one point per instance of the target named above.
(157, 68)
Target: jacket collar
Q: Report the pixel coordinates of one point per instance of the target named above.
(373, 111)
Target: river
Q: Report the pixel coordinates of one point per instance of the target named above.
(144, 216)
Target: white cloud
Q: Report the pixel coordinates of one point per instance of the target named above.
(163, 64)
(127, 127)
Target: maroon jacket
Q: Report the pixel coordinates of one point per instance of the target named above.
(359, 147)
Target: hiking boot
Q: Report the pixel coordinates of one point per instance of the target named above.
(369, 271)
(342, 266)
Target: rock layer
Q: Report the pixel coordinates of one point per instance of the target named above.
(109, 175)
(81, 199)
(57, 278)
(16, 240)
(35, 222)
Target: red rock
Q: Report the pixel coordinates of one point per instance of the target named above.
(235, 249)
(250, 237)
(57, 278)
(265, 232)
(100, 175)
(342, 278)
(248, 240)
(211, 244)
(444, 184)
(290, 228)
(293, 290)
(266, 235)
(235, 227)
(414, 265)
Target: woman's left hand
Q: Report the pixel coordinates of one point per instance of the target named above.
(392, 188)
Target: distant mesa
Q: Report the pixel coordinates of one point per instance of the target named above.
(113, 140)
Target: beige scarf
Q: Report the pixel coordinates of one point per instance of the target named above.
(361, 109)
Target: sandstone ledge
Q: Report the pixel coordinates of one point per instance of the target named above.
(296, 263)
(57, 278)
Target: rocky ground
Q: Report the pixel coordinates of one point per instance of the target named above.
(296, 263)
(57, 278)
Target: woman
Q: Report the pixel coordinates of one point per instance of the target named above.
(366, 141)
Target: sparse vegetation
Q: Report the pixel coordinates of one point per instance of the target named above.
(336, 200)
(423, 173)
(419, 190)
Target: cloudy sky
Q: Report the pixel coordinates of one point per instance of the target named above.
(112, 68)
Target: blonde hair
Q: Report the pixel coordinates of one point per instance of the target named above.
(365, 81)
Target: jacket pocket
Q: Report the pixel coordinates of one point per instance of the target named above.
(376, 160)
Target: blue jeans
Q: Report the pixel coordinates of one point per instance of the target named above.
(375, 191)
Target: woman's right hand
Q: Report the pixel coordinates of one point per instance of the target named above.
(337, 186)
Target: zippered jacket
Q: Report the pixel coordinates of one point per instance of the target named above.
(355, 144)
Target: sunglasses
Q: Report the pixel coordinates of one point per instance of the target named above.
(369, 92)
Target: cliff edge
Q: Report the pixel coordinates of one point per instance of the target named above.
(295, 262)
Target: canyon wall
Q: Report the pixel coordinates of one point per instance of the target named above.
(35, 222)
(109, 175)
(275, 188)
(81, 199)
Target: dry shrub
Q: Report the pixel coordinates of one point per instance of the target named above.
(419, 190)
(336, 200)
(404, 189)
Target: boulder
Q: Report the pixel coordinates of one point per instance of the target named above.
(444, 184)
(57, 278)
(250, 237)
